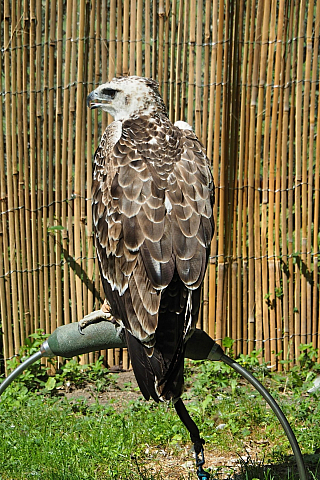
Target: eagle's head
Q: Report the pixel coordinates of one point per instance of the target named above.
(128, 97)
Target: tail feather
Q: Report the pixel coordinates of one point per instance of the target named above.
(159, 374)
(141, 366)
(171, 385)
(159, 369)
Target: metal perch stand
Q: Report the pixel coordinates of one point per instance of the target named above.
(66, 341)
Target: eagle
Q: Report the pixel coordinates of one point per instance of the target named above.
(152, 204)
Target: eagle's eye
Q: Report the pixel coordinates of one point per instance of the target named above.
(109, 92)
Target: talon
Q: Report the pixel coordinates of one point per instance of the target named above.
(106, 307)
(96, 316)
(80, 329)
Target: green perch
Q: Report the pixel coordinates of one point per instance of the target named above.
(66, 341)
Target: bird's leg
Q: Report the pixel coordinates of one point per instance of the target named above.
(104, 314)
(195, 437)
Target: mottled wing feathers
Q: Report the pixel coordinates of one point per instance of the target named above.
(191, 197)
(152, 209)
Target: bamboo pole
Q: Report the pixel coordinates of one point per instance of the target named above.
(172, 71)
(241, 194)
(204, 136)
(184, 61)
(51, 172)
(166, 51)
(126, 16)
(15, 20)
(139, 37)
(307, 180)
(268, 186)
(199, 70)
(278, 232)
(133, 23)
(58, 155)
(206, 74)
(262, 235)
(284, 195)
(300, 307)
(275, 159)
(213, 84)
(112, 42)
(32, 163)
(24, 301)
(3, 306)
(316, 310)
(15, 15)
(70, 162)
(221, 197)
(225, 139)
(291, 189)
(45, 172)
(253, 217)
(191, 56)
(104, 53)
(304, 66)
(147, 36)
(64, 163)
(161, 15)
(211, 138)
(237, 21)
(11, 170)
(178, 73)
(41, 178)
(245, 191)
(119, 32)
(6, 314)
(225, 143)
(155, 40)
(316, 319)
(97, 69)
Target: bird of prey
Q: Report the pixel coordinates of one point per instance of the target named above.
(152, 199)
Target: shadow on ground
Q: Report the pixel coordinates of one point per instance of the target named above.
(285, 470)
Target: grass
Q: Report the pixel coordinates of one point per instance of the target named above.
(46, 436)
(57, 439)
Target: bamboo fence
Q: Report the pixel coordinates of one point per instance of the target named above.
(245, 75)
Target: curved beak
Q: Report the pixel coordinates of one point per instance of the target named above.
(91, 100)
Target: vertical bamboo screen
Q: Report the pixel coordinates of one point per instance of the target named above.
(245, 74)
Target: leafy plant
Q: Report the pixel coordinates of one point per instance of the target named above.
(308, 356)
(38, 378)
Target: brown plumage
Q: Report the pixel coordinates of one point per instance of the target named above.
(152, 209)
